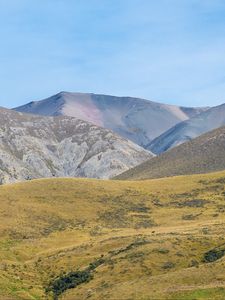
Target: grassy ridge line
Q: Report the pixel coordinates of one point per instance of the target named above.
(202, 155)
(52, 227)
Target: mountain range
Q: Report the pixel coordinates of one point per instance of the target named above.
(102, 136)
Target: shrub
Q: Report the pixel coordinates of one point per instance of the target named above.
(73, 279)
(168, 265)
(69, 281)
(213, 255)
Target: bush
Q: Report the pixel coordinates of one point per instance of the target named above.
(69, 281)
(168, 265)
(213, 255)
(72, 279)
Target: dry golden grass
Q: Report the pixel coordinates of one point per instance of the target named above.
(152, 236)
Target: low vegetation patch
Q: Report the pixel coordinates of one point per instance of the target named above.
(190, 217)
(72, 279)
(190, 203)
(68, 281)
(214, 254)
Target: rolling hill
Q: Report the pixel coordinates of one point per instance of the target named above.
(36, 146)
(201, 155)
(185, 131)
(136, 119)
(156, 239)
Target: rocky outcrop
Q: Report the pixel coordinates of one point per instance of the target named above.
(34, 147)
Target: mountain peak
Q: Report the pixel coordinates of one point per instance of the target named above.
(136, 119)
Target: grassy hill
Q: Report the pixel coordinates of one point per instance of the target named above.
(202, 155)
(88, 239)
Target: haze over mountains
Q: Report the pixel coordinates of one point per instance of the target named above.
(136, 119)
(35, 146)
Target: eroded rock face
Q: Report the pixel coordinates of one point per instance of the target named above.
(34, 146)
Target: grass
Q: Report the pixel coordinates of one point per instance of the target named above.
(152, 239)
(212, 294)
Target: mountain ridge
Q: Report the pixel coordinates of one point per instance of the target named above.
(187, 130)
(203, 154)
(139, 120)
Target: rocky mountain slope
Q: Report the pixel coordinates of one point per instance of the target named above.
(206, 121)
(34, 146)
(201, 155)
(136, 119)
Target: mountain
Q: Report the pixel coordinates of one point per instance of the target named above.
(204, 122)
(136, 119)
(35, 146)
(201, 155)
(76, 239)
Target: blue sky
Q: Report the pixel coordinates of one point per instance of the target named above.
(171, 51)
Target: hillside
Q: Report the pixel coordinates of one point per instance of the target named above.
(159, 239)
(136, 119)
(201, 155)
(34, 146)
(187, 130)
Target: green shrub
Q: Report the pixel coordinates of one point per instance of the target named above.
(214, 255)
(73, 279)
(69, 281)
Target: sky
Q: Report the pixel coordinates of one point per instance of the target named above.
(170, 51)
